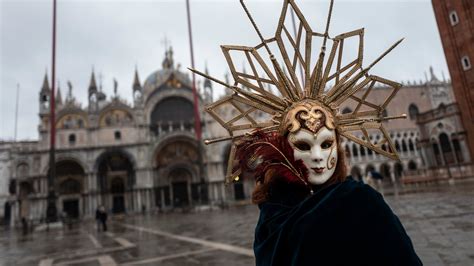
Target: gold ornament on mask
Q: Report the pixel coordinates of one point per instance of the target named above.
(295, 85)
(311, 114)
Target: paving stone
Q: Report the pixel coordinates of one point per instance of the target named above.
(438, 218)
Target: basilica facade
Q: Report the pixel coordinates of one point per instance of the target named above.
(145, 156)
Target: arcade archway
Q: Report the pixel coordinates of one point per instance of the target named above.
(70, 178)
(385, 171)
(356, 173)
(116, 178)
(177, 182)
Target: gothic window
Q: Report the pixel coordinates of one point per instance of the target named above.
(348, 151)
(117, 135)
(397, 146)
(72, 139)
(362, 151)
(355, 150)
(411, 147)
(412, 166)
(369, 152)
(453, 18)
(446, 148)
(413, 111)
(457, 150)
(80, 123)
(404, 146)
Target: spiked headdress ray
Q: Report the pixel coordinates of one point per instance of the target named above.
(327, 78)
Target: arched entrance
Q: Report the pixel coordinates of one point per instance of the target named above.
(70, 204)
(70, 178)
(180, 179)
(116, 178)
(398, 170)
(446, 148)
(356, 173)
(385, 171)
(177, 182)
(117, 189)
(369, 168)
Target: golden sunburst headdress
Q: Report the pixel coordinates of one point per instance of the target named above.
(327, 81)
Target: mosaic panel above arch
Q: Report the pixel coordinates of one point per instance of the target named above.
(176, 151)
(72, 121)
(115, 117)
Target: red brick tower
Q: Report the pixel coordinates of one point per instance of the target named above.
(456, 27)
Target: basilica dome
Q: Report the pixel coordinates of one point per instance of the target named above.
(167, 74)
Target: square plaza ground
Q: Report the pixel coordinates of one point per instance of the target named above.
(438, 218)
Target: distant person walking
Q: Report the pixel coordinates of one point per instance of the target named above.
(101, 218)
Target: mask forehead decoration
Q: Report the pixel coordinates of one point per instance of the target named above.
(311, 113)
(299, 87)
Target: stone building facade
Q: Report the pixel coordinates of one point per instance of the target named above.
(128, 157)
(426, 103)
(144, 156)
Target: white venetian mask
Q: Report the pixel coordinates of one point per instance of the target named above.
(318, 151)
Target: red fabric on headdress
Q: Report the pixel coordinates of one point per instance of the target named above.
(261, 152)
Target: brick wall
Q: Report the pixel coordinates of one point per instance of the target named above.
(455, 20)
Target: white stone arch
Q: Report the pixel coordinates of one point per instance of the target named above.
(67, 157)
(104, 153)
(22, 163)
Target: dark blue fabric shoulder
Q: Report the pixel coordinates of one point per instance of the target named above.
(347, 223)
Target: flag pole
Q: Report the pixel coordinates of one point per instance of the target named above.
(51, 210)
(197, 117)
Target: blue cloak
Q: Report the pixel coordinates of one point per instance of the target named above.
(347, 223)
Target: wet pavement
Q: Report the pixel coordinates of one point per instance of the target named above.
(438, 218)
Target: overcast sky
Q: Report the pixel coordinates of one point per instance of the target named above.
(115, 36)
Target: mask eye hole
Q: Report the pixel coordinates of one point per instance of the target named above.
(302, 146)
(327, 144)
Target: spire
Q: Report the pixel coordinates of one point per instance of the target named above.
(433, 77)
(45, 86)
(207, 82)
(59, 98)
(136, 81)
(92, 84)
